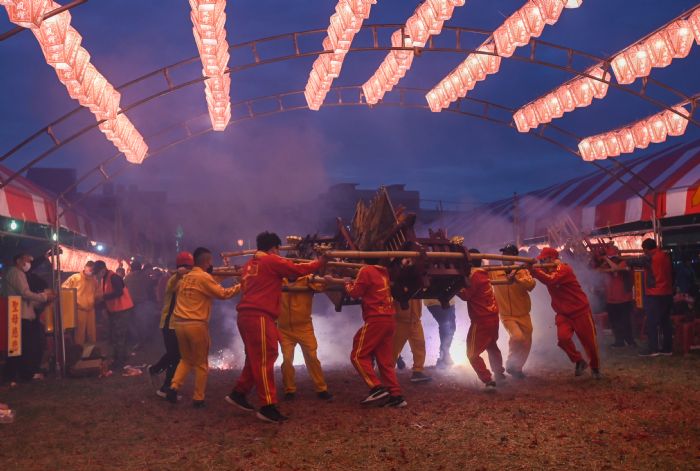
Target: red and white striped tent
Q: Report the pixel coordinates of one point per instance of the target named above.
(25, 201)
(597, 200)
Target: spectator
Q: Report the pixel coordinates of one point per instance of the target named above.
(618, 290)
(658, 297)
(86, 287)
(26, 366)
(119, 308)
(142, 291)
(447, 325)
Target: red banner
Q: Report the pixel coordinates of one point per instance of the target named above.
(14, 326)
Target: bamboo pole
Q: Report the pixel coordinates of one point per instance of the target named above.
(240, 253)
(430, 255)
(517, 267)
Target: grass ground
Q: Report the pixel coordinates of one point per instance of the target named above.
(645, 414)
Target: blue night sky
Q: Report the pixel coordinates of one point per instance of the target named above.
(298, 154)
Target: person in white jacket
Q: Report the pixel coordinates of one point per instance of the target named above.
(25, 366)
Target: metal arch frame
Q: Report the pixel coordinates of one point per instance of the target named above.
(340, 100)
(293, 38)
(18, 29)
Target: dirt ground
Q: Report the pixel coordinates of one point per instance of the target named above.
(645, 414)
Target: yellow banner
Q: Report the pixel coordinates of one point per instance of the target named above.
(639, 289)
(14, 326)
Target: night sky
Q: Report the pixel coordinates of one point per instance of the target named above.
(298, 154)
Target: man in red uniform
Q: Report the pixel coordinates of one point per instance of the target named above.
(573, 312)
(261, 285)
(375, 339)
(483, 331)
(658, 297)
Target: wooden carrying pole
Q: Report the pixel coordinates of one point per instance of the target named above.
(517, 267)
(241, 253)
(431, 255)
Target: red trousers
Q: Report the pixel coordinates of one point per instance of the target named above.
(260, 340)
(483, 337)
(376, 340)
(582, 325)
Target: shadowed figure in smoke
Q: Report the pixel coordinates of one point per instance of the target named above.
(573, 312)
(168, 362)
(483, 331)
(258, 311)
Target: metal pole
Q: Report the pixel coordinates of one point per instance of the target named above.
(59, 339)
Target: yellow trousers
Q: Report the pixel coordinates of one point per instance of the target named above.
(85, 324)
(193, 340)
(411, 332)
(520, 331)
(304, 336)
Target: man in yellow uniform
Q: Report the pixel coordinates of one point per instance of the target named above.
(514, 307)
(295, 327)
(192, 310)
(410, 329)
(87, 288)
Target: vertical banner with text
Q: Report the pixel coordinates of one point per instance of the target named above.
(14, 326)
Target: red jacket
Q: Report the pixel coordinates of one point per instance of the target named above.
(568, 299)
(481, 301)
(618, 286)
(261, 283)
(372, 286)
(661, 272)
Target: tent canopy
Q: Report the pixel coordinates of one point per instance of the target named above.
(597, 200)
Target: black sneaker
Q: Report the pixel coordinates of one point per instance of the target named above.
(198, 404)
(490, 386)
(289, 396)
(171, 396)
(517, 374)
(420, 377)
(376, 393)
(595, 372)
(580, 367)
(325, 396)
(395, 401)
(400, 364)
(648, 353)
(270, 414)
(239, 400)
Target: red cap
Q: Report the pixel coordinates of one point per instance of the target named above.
(548, 252)
(184, 258)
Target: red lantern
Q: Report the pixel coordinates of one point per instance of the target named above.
(551, 9)
(600, 89)
(624, 73)
(490, 62)
(640, 60)
(542, 111)
(599, 149)
(680, 38)
(675, 124)
(29, 13)
(554, 105)
(658, 46)
(657, 128)
(694, 21)
(612, 145)
(626, 140)
(640, 131)
(566, 98)
(531, 116)
(517, 29)
(534, 19)
(417, 30)
(504, 44)
(586, 149)
(434, 101)
(582, 91)
(520, 121)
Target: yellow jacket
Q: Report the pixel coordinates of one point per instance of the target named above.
(195, 293)
(410, 315)
(295, 307)
(86, 287)
(514, 299)
(170, 290)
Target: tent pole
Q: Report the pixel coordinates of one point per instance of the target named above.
(59, 339)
